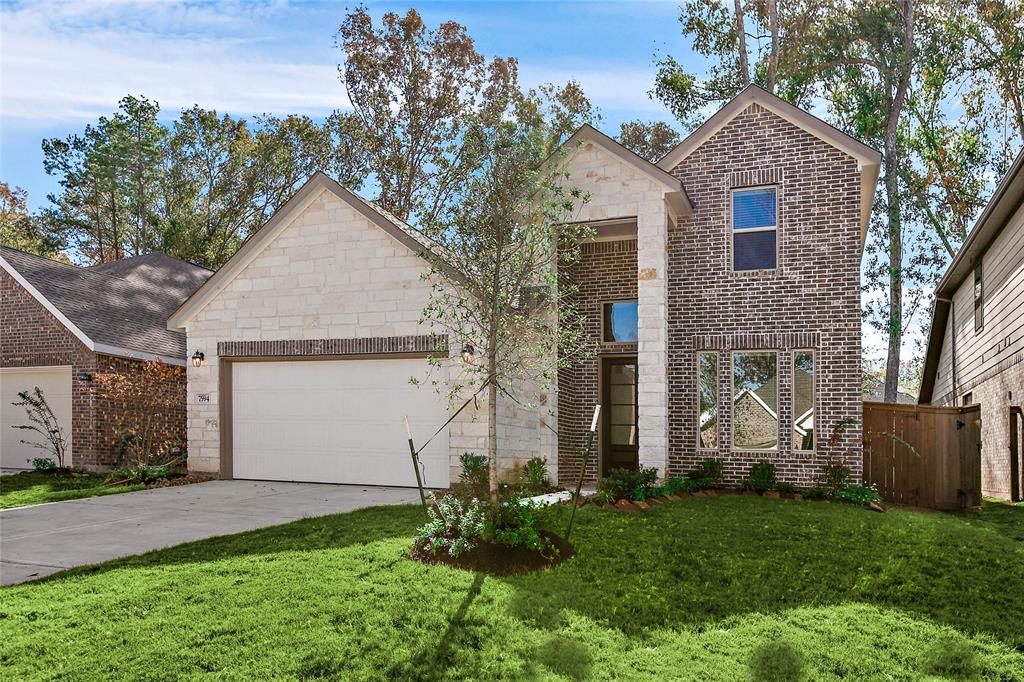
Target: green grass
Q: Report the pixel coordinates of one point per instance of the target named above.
(30, 487)
(725, 588)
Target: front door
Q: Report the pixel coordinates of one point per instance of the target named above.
(619, 432)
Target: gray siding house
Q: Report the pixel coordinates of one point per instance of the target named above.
(976, 343)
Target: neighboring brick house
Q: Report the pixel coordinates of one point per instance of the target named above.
(62, 325)
(312, 330)
(976, 344)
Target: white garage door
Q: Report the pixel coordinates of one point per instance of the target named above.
(55, 382)
(335, 421)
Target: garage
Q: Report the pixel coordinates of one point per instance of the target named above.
(55, 383)
(335, 421)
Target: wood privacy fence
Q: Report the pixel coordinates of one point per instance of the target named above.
(924, 456)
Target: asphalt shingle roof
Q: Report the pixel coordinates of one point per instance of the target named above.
(124, 304)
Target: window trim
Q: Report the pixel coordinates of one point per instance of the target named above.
(979, 297)
(718, 400)
(814, 396)
(750, 230)
(732, 400)
(606, 307)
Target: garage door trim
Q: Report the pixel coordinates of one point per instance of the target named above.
(224, 387)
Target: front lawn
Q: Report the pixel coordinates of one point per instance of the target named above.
(707, 588)
(33, 487)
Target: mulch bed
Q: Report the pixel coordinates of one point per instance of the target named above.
(499, 560)
(629, 506)
(178, 480)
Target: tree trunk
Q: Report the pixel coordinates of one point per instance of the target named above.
(492, 428)
(773, 57)
(894, 213)
(741, 45)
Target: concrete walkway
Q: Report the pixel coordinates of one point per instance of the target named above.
(40, 540)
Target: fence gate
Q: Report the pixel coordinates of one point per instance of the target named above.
(924, 456)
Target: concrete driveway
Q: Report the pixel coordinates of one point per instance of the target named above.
(40, 540)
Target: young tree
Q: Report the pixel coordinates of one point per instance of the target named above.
(648, 140)
(501, 239)
(53, 438)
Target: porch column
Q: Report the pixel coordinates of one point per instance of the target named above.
(652, 336)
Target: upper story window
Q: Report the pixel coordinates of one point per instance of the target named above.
(620, 321)
(979, 300)
(754, 228)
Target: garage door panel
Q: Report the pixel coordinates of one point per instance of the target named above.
(55, 383)
(338, 421)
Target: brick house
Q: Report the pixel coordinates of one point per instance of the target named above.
(722, 291)
(976, 345)
(62, 325)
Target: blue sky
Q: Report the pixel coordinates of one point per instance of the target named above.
(65, 64)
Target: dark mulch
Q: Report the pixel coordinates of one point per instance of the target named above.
(500, 560)
(179, 480)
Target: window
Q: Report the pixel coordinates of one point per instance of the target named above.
(968, 399)
(707, 371)
(754, 223)
(755, 400)
(620, 321)
(803, 400)
(979, 300)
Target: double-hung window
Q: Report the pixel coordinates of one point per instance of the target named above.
(754, 228)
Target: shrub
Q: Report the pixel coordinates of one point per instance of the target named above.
(628, 483)
(709, 470)
(515, 525)
(475, 474)
(141, 473)
(535, 476)
(834, 477)
(815, 493)
(785, 488)
(777, 662)
(43, 464)
(859, 494)
(454, 526)
(761, 477)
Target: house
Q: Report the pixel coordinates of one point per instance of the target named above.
(61, 325)
(726, 268)
(976, 344)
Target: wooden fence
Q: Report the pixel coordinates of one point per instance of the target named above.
(924, 456)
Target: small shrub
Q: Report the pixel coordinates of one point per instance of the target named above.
(761, 477)
(710, 470)
(141, 473)
(475, 476)
(535, 476)
(515, 525)
(815, 493)
(777, 662)
(603, 497)
(628, 483)
(43, 464)
(952, 659)
(834, 477)
(786, 488)
(454, 526)
(859, 494)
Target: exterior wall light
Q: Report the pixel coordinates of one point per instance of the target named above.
(197, 358)
(467, 353)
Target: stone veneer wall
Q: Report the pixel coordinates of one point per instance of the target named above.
(605, 272)
(329, 275)
(811, 301)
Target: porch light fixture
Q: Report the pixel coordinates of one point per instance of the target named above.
(467, 353)
(197, 358)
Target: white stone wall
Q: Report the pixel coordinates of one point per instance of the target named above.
(328, 274)
(620, 190)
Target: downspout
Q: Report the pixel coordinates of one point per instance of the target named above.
(952, 345)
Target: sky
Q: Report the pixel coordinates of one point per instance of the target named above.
(64, 64)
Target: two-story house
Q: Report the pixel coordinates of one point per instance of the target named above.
(722, 290)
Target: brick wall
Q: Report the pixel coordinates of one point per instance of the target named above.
(812, 301)
(605, 272)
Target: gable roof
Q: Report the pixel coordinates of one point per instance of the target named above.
(118, 309)
(675, 192)
(869, 161)
(1006, 200)
(412, 238)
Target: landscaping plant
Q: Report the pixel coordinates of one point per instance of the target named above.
(474, 477)
(859, 494)
(52, 438)
(630, 484)
(834, 477)
(761, 477)
(710, 470)
(534, 479)
(454, 527)
(515, 525)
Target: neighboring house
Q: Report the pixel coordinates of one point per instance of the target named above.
(874, 391)
(61, 325)
(976, 345)
(738, 253)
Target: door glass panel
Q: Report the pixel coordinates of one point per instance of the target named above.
(623, 435)
(622, 395)
(623, 414)
(622, 410)
(623, 374)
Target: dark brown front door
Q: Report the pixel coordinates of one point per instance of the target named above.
(619, 432)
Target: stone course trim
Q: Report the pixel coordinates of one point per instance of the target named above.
(378, 345)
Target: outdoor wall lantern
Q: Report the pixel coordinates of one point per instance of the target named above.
(197, 358)
(467, 353)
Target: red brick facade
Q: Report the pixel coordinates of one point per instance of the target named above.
(31, 337)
